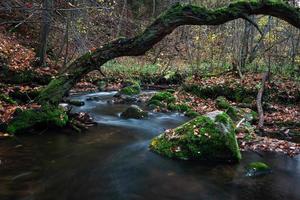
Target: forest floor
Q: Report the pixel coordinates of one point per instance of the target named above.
(282, 116)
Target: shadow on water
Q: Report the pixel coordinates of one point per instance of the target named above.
(112, 161)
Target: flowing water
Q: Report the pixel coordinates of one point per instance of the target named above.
(112, 161)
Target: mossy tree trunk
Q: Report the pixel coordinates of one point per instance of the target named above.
(176, 16)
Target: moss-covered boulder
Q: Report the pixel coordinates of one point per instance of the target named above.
(167, 101)
(133, 89)
(257, 169)
(166, 97)
(222, 103)
(44, 117)
(203, 138)
(134, 112)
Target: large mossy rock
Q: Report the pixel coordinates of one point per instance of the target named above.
(205, 138)
(44, 117)
(161, 98)
(134, 112)
(133, 89)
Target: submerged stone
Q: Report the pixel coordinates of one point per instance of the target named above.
(124, 99)
(134, 112)
(76, 103)
(257, 169)
(203, 138)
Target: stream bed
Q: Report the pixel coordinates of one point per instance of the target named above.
(112, 161)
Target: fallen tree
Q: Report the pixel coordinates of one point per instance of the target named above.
(177, 15)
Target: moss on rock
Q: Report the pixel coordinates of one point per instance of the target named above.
(166, 97)
(154, 103)
(134, 112)
(132, 89)
(238, 93)
(233, 112)
(75, 102)
(257, 169)
(192, 114)
(167, 100)
(202, 138)
(222, 103)
(179, 107)
(46, 116)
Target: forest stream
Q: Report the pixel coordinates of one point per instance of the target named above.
(112, 161)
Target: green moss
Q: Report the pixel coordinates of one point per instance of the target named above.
(154, 102)
(133, 89)
(200, 139)
(46, 116)
(254, 115)
(222, 103)
(76, 102)
(257, 169)
(179, 107)
(225, 119)
(237, 93)
(134, 112)
(101, 85)
(192, 114)
(163, 96)
(258, 166)
(232, 112)
(55, 89)
(172, 91)
(7, 99)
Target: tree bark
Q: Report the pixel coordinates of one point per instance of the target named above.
(176, 16)
(259, 100)
(45, 29)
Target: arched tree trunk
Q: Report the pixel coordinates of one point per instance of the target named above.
(176, 16)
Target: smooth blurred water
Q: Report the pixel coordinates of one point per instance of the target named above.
(112, 161)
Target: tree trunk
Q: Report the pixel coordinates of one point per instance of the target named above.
(45, 29)
(244, 48)
(176, 16)
(259, 100)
